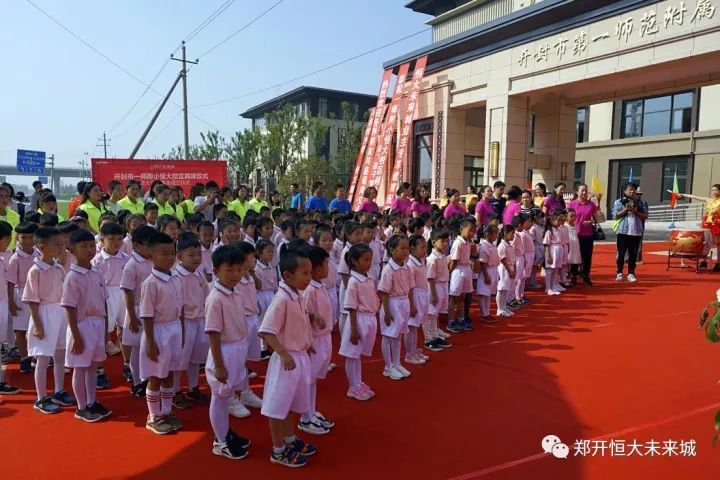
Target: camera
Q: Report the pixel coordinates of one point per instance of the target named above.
(628, 202)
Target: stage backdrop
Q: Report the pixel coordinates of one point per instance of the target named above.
(182, 173)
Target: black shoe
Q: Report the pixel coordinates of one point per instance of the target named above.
(127, 373)
(716, 268)
(442, 343)
(432, 345)
(100, 409)
(26, 365)
(574, 281)
(265, 355)
(138, 391)
(7, 389)
(587, 281)
(235, 439)
(102, 382)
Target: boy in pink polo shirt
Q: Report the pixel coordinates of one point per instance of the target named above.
(286, 329)
(110, 262)
(136, 270)
(161, 305)
(84, 296)
(5, 238)
(46, 331)
(17, 269)
(225, 367)
(194, 292)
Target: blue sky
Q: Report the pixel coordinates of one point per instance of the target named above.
(59, 95)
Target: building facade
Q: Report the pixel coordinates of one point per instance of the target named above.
(563, 91)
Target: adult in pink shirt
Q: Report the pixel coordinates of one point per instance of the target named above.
(554, 201)
(368, 204)
(512, 206)
(454, 207)
(483, 209)
(421, 203)
(586, 211)
(402, 200)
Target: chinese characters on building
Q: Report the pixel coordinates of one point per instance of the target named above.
(625, 29)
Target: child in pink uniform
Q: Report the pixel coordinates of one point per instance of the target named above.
(506, 270)
(438, 276)
(84, 298)
(195, 346)
(421, 296)
(286, 329)
(267, 275)
(46, 329)
(323, 238)
(225, 367)
(574, 256)
(17, 269)
(396, 283)
(136, 270)
(554, 252)
(132, 222)
(517, 297)
(161, 305)
(320, 311)
(353, 235)
(460, 277)
(206, 234)
(5, 327)
(487, 284)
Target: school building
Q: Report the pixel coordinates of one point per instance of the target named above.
(563, 90)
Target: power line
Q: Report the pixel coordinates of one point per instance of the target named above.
(209, 20)
(337, 64)
(242, 28)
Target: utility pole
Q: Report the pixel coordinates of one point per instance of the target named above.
(52, 171)
(154, 118)
(183, 72)
(104, 142)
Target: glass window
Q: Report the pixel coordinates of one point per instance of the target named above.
(323, 107)
(657, 104)
(474, 171)
(670, 168)
(630, 171)
(582, 124)
(531, 131)
(657, 123)
(579, 176)
(683, 100)
(423, 159)
(658, 115)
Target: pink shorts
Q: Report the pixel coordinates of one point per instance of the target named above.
(483, 288)
(422, 299)
(367, 327)
(22, 319)
(168, 338)
(286, 390)
(195, 348)
(234, 355)
(254, 347)
(92, 332)
(529, 261)
(115, 307)
(54, 321)
(441, 288)
(400, 311)
(320, 360)
(505, 283)
(461, 280)
(130, 338)
(333, 295)
(264, 299)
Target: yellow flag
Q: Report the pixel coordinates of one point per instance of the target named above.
(596, 186)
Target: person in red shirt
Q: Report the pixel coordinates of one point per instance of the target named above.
(75, 202)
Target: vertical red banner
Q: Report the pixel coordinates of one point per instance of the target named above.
(406, 129)
(360, 156)
(374, 123)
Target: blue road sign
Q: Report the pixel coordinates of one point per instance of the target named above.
(30, 161)
(43, 180)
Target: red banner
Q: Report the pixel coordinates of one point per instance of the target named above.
(406, 129)
(374, 122)
(181, 173)
(360, 156)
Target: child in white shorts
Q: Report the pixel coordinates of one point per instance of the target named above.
(460, 277)
(438, 277)
(5, 238)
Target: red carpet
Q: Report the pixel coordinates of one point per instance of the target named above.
(617, 361)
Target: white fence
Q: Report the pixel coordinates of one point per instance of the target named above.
(687, 212)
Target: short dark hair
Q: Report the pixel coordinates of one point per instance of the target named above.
(81, 214)
(111, 229)
(223, 224)
(33, 217)
(80, 235)
(316, 255)
(36, 183)
(498, 184)
(43, 234)
(81, 187)
(165, 220)
(26, 228)
(67, 227)
(262, 244)
(227, 254)
(47, 197)
(160, 238)
(217, 207)
(187, 240)
(5, 229)
(150, 206)
(113, 184)
(142, 235)
(245, 247)
(48, 220)
(194, 219)
(289, 260)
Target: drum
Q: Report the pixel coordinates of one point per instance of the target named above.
(690, 242)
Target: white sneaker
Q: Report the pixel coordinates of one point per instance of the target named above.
(553, 292)
(504, 313)
(414, 360)
(631, 278)
(393, 374)
(313, 428)
(249, 399)
(619, 277)
(325, 422)
(237, 409)
(443, 334)
(423, 356)
(403, 371)
(331, 366)
(559, 288)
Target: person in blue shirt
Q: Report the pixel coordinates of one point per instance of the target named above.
(340, 202)
(296, 197)
(317, 201)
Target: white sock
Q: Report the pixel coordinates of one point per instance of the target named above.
(484, 301)
(395, 350)
(193, 374)
(549, 279)
(501, 300)
(219, 417)
(135, 365)
(78, 386)
(427, 330)
(166, 396)
(59, 370)
(353, 371)
(307, 416)
(411, 341)
(91, 382)
(385, 349)
(41, 366)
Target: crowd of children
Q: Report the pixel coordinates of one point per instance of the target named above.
(178, 297)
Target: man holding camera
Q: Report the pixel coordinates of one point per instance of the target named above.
(631, 215)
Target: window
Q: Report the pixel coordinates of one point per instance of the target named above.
(301, 109)
(531, 131)
(630, 171)
(323, 107)
(423, 159)
(582, 123)
(259, 123)
(670, 168)
(473, 172)
(579, 176)
(657, 115)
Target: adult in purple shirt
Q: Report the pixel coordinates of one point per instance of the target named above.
(454, 207)
(586, 211)
(368, 204)
(512, 206)
(421, 204)
(484, 208)
(403, 199)
(554, 201)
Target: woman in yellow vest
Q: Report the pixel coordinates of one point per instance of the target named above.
(259, 200)
(162, 194)
(7, 214)
(175, 200)
(188, 205)
(93, 205)
(241, 204)
(132, 201)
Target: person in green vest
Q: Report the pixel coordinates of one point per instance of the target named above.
(188, 205)
(258, 200)
(7, 214)
(48, 204)
(162, 195)
(132, 201)
(175, 200)
(92, 204)
(117, 191)
(241, 204)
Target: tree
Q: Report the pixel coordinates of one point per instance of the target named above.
(349, 138)
(244, 151)
(214, 146)
(284, 139)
